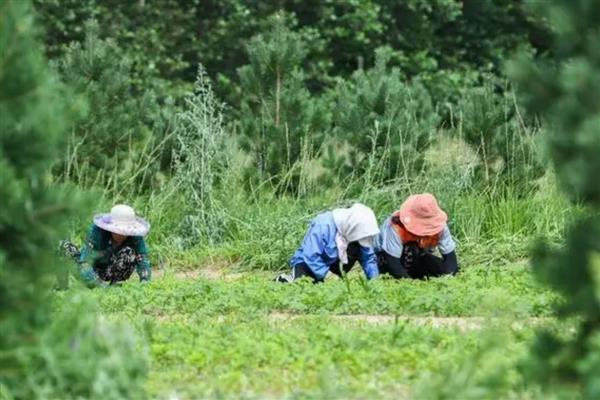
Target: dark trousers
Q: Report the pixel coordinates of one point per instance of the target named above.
(416, 264)
(353, 252)
(116, 268)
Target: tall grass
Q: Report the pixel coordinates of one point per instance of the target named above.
(206, 209)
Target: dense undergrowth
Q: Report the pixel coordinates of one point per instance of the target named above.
(316, 118)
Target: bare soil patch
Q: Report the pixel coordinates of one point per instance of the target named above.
(208, 271)
(461, 323)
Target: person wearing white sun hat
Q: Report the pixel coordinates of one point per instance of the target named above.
(114, 248)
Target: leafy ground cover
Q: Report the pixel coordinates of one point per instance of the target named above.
(239, 335)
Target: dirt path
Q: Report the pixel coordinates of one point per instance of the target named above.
(210, 272)
(462, 323)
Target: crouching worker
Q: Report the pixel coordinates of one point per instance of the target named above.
(409, 237)
(344, 235)
(114, 248)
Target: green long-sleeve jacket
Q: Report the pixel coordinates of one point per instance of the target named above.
(98, 249)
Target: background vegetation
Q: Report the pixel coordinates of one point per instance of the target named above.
(230, 124)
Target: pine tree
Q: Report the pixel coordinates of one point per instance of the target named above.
(109, 142)
(486, 118)
(45, 353)
(33, 121)
(278, 115)
(567, 95)
(378, 111)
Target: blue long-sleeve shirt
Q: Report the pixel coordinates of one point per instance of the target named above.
(319, 250)
(98, 249)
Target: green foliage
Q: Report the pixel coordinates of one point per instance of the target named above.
(486, 371)
(377, 111)
(44, 354)
(107, 147)
(33, 119)
(573, 272)
(478, 292)
(322, 120)
(158, 37)
(488, 119)
(62, 28)
(492, 225)
(342, 332)
(566, 94)
(443, 40)
(199, 159)
(278, 119)
(309, 358)
(81, 355)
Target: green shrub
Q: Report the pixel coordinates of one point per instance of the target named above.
(566, 95)
(82, 355)
(378, 111)
(278, 118)
(489, 120)
(114, 146)
(44, 354)
(200, 157)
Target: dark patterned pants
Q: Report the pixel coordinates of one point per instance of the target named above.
(119, 266)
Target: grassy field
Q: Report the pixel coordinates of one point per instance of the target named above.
(214, 325)
(223, 333)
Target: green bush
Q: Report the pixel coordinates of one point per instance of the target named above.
(200, 157)
(44, 354)
(488, 119)
(378, 112)
(114, 146)
(566, 95)
(82, 355)
(278, 119)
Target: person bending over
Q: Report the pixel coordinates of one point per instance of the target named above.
(409, 237)
(114, 248)
(342, 236)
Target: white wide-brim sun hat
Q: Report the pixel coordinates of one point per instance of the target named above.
(123, 221)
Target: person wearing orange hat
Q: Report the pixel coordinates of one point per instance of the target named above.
(408, 238)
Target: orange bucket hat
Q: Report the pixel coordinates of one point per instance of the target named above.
(422, 216)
